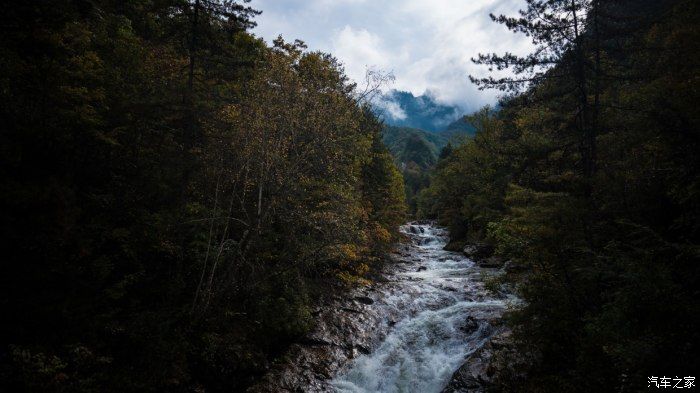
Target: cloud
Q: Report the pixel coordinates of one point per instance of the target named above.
(427, 44)
(388, 107)
(358, 50)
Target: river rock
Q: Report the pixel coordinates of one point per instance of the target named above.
(470, 325)
(336, 339)
(475, 375)
(478, 251)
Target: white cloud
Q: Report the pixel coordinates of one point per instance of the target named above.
(390, 108)
(427, 44)
(358, 50)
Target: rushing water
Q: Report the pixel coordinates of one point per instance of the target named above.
(437, 313)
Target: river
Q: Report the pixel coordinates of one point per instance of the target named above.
(409, 333)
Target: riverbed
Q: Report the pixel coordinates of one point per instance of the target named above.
(406, 333)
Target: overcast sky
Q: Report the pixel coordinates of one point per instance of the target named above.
(427, 44)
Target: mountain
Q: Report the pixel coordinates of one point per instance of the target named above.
(416, 130)
(461, 126)
(421, 147)
(408, 144)
(416, 152)
(403, 109)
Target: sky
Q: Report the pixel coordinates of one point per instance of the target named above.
(426, 44)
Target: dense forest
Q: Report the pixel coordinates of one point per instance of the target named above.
(416, 151)
(175, 194)
(586, 179)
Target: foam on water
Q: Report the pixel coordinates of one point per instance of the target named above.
(430, 338)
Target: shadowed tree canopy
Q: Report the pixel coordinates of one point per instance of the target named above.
(176, 195)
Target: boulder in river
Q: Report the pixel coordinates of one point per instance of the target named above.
(478, 370)
(478, 251)
(470, 325)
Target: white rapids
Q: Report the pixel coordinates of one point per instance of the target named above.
(437, 313)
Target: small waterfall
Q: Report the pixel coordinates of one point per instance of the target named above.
(437, 313)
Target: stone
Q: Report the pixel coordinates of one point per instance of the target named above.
(476, 373)
(478, 251)
(470, 325)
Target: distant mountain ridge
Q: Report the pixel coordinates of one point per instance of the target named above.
(403, 109)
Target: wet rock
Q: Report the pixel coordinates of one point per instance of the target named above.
(341, 333)
(502, 340)
(470, 325)
(476, 373)
(362, 349)
(312, 341)
(471, 377)
(421, 268)
(425, 240)
(454, 246)
(478, 251)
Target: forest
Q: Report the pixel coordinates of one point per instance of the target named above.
(178, 195)
(175, 194)
(586, 179)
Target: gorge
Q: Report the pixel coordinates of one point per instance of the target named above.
(212, 196)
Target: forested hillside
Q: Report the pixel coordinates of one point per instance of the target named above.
(175, 194)
(416, 151)
(586, 179)
(423, 146)
(416, 131)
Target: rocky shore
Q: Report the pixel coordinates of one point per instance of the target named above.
(346, 327)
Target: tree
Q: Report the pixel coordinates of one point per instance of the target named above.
(178, 194)
(556, 28)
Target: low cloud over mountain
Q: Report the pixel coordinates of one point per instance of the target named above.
(403, 109)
